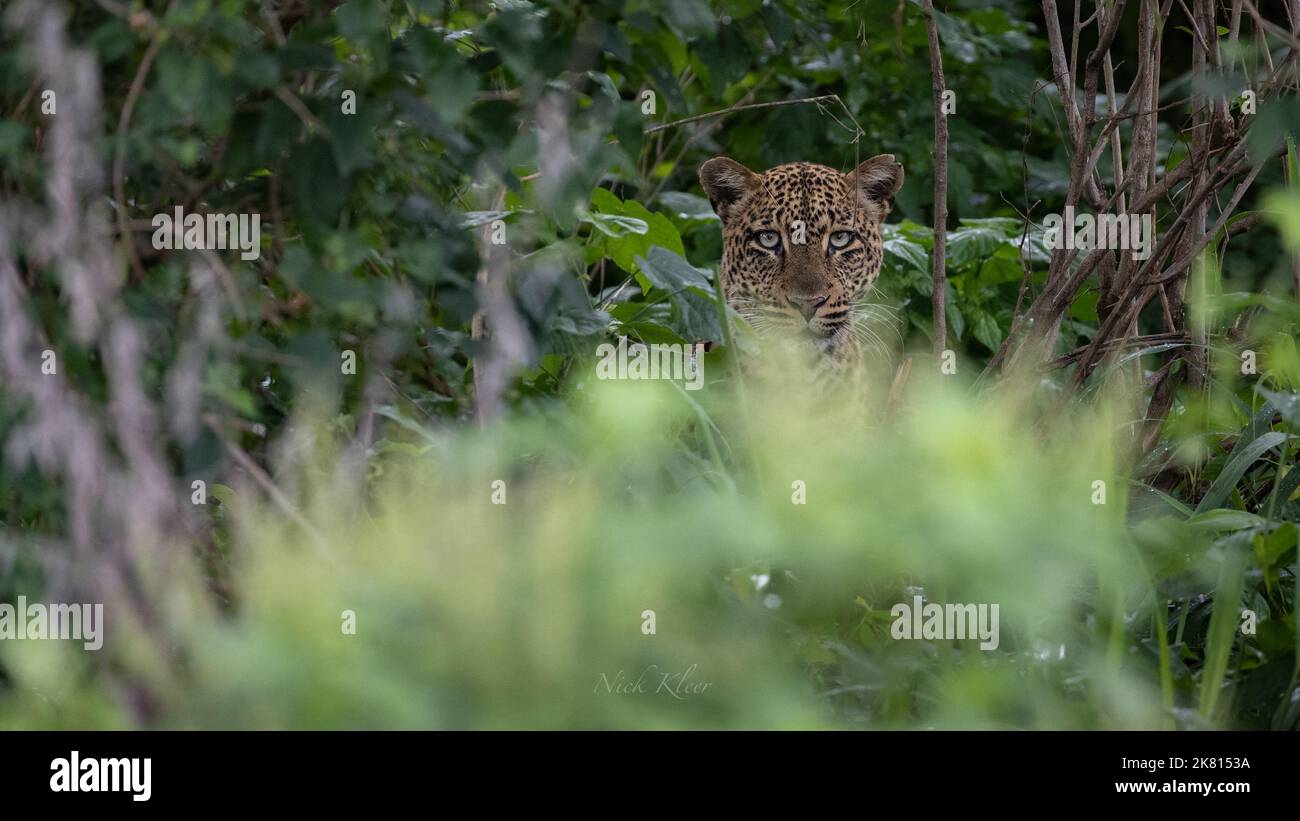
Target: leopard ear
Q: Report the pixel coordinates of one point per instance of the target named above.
(878, 178)
(728, 184)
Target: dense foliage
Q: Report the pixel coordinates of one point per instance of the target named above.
(383, 144)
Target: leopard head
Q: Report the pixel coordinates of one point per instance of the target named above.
(801, 243)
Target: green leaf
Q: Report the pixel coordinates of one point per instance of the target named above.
(1271, 547)
(1223, 622)
(1237, 467)
(1234, 303)
(688, 289)
(1221, 519)
(223, 493)
(975, 241)
(690, 17)
(687, 206)
(630, 229)
(955, 318)
(1277, 120)
(696, 315)
(1287, 404)
(604, 201)
(908, 251)
(956, 35)
(985, 329)
(651, 333)
(616, 225)
(359, 19)
(476, 219)
(669, 272)
(661, 231)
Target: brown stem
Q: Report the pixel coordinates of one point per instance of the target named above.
(938, 258)
(119, 153)
(825, 98)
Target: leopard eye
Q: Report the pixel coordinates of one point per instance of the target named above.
(769, 239)
(839, 239)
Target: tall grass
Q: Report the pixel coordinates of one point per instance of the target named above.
(522, 614)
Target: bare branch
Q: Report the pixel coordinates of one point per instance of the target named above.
(938, 258)
(825, 98)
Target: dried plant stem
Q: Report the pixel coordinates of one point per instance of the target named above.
(722, 112)
(938, 258)
(119, 151)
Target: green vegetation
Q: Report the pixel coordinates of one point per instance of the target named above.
(496, 519)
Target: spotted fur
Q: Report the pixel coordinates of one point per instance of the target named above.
(810, 290)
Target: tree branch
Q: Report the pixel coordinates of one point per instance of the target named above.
(939, 269)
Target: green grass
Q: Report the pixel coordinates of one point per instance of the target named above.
(639, 496)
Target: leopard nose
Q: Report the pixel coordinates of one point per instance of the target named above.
(807, 305)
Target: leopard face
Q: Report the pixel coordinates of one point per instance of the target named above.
(801, 245)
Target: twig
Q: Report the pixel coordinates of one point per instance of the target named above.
(749, 95)
(772, 104)
(938, 260)
(276, 495)
(1272, 28)
(298, 107)
(119, 153)
(1176, 337)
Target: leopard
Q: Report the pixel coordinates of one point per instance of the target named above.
(802, 248)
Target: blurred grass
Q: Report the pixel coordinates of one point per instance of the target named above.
(477, 615)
